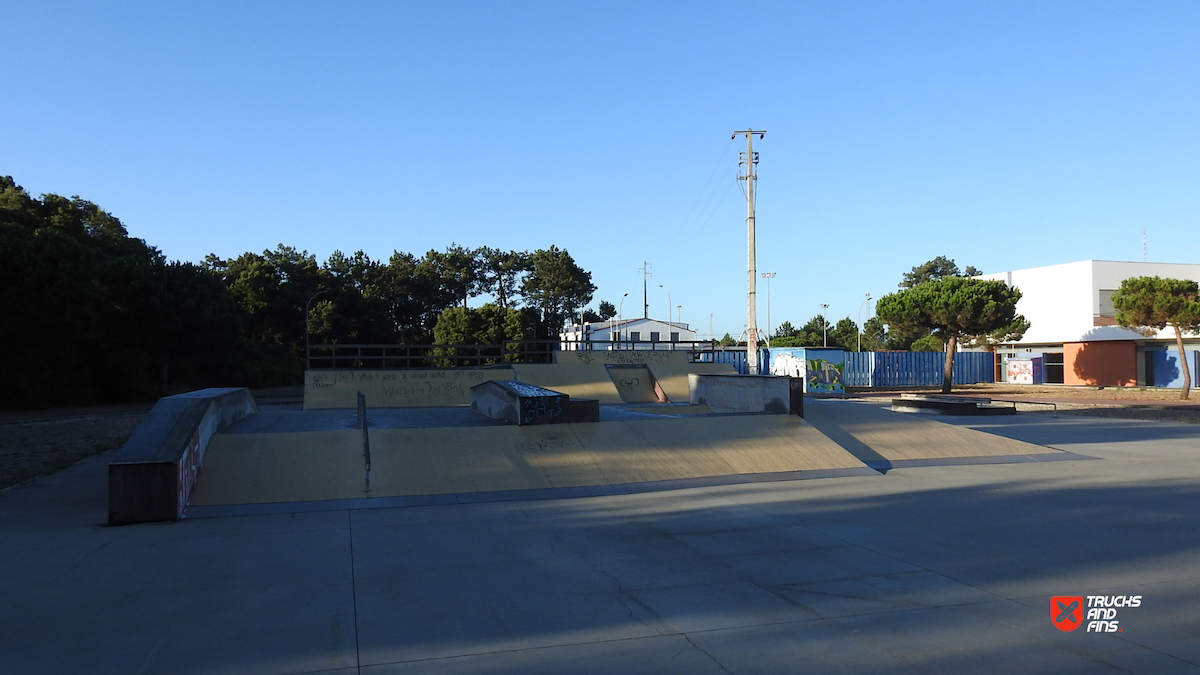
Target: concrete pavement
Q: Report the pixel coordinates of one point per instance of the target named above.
(933, 569)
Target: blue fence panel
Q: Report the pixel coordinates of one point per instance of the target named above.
(916, 369)
(737, 359)
(884, 369)
(858, 368)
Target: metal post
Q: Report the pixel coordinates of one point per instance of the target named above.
(750, 160)
(862, 326)
(307, 350)
(825, 324)
(620, 306)
(768, 276)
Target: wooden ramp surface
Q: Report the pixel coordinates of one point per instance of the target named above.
(284, 467)
(900, 436)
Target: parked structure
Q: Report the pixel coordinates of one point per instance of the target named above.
(1074, 337)
(641, 333)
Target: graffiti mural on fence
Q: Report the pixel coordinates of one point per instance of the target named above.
(787, 364)
(823, 375)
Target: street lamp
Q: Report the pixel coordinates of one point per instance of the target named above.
(768, 276)
(861, 326)
(620, 306)
(307, 352)
(668, 304)
(825, 323)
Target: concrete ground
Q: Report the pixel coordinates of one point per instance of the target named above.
(930, 569)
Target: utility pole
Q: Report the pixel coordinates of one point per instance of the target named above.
(747, 164)
(645, 270)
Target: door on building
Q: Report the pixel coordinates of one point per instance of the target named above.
(1053, 368)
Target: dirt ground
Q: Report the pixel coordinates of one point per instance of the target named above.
(36, 447)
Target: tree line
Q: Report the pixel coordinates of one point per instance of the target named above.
(93, 315)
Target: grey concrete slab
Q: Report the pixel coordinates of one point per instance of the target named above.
(660, 654)
(925, 570)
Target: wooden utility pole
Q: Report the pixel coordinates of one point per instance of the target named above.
(747, 172)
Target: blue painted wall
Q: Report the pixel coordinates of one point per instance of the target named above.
(1167, 371)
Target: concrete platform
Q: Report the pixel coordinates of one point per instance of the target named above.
(936, 570)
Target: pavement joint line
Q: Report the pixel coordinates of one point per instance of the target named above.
(354, 591)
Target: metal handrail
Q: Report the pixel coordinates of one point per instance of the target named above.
(366, 439)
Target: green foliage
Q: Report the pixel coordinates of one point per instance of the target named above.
(1155, 303)
(488, 325)
(102, 316)
(927, 343)
(950, 309)
(784, 330)
(1151, 304)
(937, 269)
(844, 335)
(875, 335)
(557, 288)
(728, 341)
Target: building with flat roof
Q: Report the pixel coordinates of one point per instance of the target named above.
(1073, 326)
(640, 333)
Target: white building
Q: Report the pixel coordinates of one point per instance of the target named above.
(643, 333)
(1073, 323)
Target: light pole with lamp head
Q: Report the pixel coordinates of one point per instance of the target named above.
(620, 306)
(307, 351)
(825, 324)
(768, 276)
(668, 308)
(861, 326)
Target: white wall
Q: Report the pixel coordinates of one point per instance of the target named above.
(1062, 301)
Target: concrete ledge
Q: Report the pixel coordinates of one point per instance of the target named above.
(747, 393)
(520, 403)
(948, 405)
(151, 476)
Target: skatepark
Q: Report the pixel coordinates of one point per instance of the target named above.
(668, 536)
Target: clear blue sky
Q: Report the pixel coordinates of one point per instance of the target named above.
(1004, 135)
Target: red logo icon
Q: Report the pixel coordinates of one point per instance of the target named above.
(1066, 612)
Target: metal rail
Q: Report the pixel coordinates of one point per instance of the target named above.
(362, 422)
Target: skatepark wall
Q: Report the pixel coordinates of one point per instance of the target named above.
(152, 475)
(416, 388)
(747, 393)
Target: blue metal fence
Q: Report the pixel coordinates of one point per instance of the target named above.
(882, 369)
(737, 359)
(913, 369)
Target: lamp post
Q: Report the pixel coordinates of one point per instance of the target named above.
(306, 332)
(620, 306)
(668, 305)
(768, 276)
(824, 324)
(861, 326)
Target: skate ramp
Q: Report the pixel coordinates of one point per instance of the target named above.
(873, 433)
(576, 380)
(636, 384)
(255, 468)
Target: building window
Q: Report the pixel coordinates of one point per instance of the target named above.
(1106, 307)
(654, 336)
(635, 336)
(1052, 368)
(674, 336)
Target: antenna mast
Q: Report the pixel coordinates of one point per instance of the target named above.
(747, 172)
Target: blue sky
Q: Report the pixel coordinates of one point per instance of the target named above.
(1004, 135)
